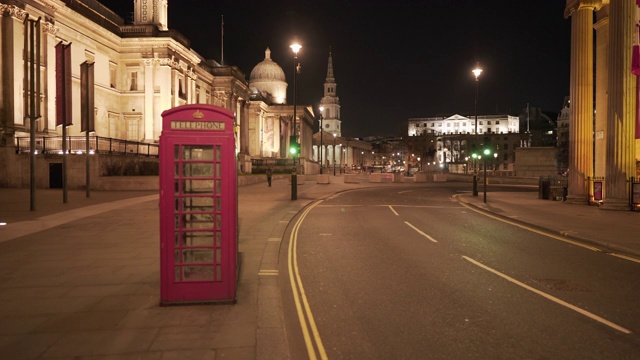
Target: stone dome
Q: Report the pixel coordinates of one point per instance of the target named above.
(267, 69)
(268, 77)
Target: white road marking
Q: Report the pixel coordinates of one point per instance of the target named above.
(551, 297)
(420, 232)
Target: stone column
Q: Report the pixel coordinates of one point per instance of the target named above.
(581, 95)
(148, 100)
(622, 106)
(49, 89)
(602, 78)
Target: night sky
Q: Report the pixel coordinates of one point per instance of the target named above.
(393, 60)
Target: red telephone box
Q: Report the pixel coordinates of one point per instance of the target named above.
(198, 206)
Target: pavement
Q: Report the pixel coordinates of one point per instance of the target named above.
(81, 280)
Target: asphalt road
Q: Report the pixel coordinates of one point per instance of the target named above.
(408, 273)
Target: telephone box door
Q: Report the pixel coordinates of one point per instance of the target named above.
(198, 200)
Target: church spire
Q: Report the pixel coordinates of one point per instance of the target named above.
(331, 102)
(330, 78)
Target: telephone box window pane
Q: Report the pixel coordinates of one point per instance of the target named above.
(177, 273)
(197, 273)
(198, 217)
(218, 221)
(190, 256)
(199, 203)
(198, 225)
(176, 187)
(197, 170)
(218, 256)
(218, 187)
(218, 147)
(218, 238)
(176, 256)
(218, 273)
(197, 152)
(218, 172)
(197, 186)
(176, 152)
(218, 203)
(199, 238)
(176, 171)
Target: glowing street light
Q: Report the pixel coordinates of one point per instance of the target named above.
(476, 72)
(296, 68)
(321, 131)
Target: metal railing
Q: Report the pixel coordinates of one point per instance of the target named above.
(78, 144)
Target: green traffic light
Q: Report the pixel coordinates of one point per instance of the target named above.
(487, 151)
(294, 148)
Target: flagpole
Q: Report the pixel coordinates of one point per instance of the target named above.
(222, 41)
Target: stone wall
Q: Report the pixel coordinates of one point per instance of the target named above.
(535, 162)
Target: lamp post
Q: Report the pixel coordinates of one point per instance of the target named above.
(334, 154)
(476, 72)
(321, 131)
(296, 68)
(485, 154)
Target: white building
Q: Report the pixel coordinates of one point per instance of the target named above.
(457, 124)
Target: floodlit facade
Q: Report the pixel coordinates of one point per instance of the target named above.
(141, 70)
(458, 124)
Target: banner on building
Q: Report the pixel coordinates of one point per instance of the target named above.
(87, 97)
(63, 84)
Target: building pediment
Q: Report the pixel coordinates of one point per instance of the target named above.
(456, 117)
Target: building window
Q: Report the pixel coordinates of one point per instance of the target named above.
(133, 80)
(132, 130)
(113, 67)
(488, 123)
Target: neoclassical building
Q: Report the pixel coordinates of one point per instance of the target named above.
(140, 70)
(614, 152)
(458, 124)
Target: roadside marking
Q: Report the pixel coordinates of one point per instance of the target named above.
(391, 207)
(268, 273)
(551, 297)
(544, 233)
(273, 239)
(625, 257)
(299, 297)
(406, 191)
(420, 232)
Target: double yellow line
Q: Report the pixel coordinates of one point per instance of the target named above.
(307, 323)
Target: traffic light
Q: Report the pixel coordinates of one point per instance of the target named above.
(294, 147)
(474, 152)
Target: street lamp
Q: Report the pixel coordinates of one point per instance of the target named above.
(476, 72)
(486, 153)
(321, 131)
(334, 154)
(296, 68)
